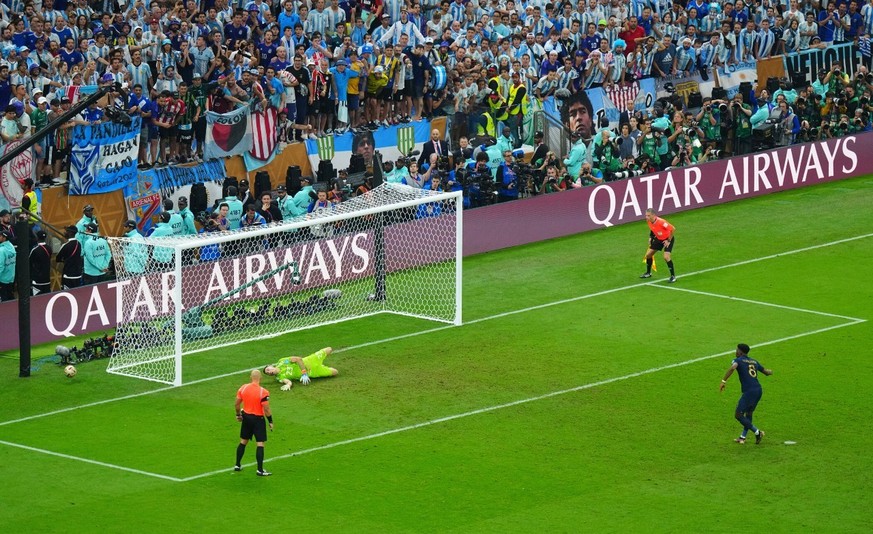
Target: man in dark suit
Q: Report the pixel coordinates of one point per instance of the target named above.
(435, 146)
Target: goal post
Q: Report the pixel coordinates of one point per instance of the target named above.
(395, 249)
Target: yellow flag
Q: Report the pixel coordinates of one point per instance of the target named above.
(654, 263)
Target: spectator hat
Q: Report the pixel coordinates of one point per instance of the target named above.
(580, 53)
(197, 76)
(367, 49)
(341, 63)
(444, 44)
(107, 78)
(91, 227)
(379, 68)
(130, 224)
(619, 43)
(428, 40)
(601, 22)
(538, 135)
(531, 35)
(310, 62)
(42, 100)
(65, 99)
(166, 42)
(254, 71)
(306, 179)
(182, 200)
(36, 91)
(4, 234)
(687, 40)
(34, 67)
(5, 212)
(165, 216)
(41, 235)
(19, 108)
(386, 16)
(23, 49)
(88, 207)
(280, 187)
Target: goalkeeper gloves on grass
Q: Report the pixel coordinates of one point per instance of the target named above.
(286, 387)
(305, 379)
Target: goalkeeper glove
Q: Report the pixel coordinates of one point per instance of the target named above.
(286, 387)
(305, 379)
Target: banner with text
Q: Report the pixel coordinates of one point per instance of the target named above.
(228, 134)
(144, 195)
(94, 308)
(810, 62)
(104, 157)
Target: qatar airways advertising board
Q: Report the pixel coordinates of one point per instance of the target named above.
(96, 308)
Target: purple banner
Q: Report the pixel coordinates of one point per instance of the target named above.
(96, 308)
(609, 204)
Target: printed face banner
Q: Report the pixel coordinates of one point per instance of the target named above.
(365, 143)
(730, 78)
(13, 174)
(104, 157)
(228, 134)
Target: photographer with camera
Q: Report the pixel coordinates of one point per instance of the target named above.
(860, 122)
(477, 181)
(709, 121)
(606, 155)
(507, 179)
(648, 143)
(852, 101)
(743, 121)
(588, 175)
(686, 153)
(836, 80)
(834, 107)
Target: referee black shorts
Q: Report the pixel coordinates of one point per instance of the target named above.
(253, 425)
(659, 245)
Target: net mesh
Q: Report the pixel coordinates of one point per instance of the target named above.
(394, 249)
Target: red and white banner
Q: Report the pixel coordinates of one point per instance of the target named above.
(13, 174)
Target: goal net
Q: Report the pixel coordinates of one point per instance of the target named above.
(395, 250)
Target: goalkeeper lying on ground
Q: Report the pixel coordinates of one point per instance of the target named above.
(302, 369)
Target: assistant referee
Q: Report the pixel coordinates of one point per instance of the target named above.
(255, 403)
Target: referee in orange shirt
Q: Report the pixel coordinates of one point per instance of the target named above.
(255, 403)
(660, 238)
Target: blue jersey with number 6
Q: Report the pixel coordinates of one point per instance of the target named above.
(748, 369)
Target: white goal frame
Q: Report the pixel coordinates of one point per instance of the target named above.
(372, 204)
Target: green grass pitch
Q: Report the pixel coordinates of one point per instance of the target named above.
(575, 398)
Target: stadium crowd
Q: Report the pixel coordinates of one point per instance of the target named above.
(360, 65)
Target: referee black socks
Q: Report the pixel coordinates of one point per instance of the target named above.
(259, 454)
(240, 450)
(670, 265)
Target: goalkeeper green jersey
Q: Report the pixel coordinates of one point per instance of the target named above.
(314, 363)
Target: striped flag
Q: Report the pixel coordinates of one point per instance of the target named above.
(326, 150)
(405, 139)
(264, 133)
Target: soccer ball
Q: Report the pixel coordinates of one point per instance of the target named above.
(70, 371)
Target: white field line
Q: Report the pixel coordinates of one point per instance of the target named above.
(760, 303)
(440, 328)
(523, 401)
(89, 461)
(853, 321)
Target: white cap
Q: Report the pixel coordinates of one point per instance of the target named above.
(36, 91)
(42, 100)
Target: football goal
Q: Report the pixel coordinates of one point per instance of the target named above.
(395, 249)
